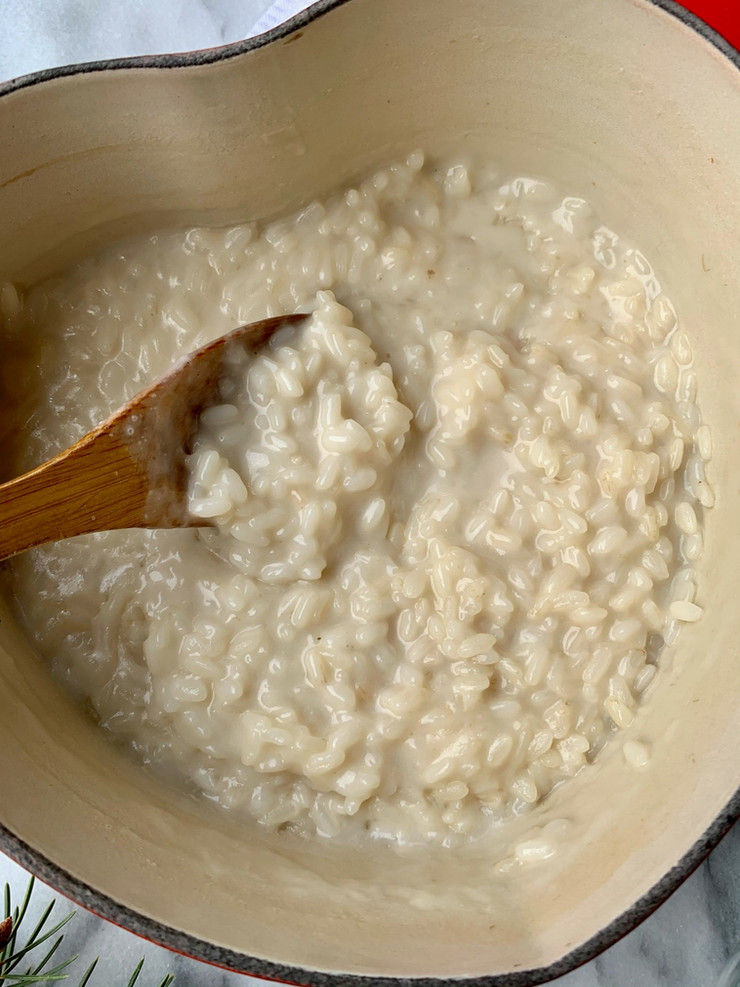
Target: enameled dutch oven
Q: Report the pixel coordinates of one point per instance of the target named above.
(634, 104)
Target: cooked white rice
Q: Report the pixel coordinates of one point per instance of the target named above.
(458, 510)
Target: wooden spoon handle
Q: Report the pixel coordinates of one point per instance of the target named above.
(92, 486)
(131, 471)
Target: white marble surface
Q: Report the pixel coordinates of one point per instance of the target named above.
(687, 942)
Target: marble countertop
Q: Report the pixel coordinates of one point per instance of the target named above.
(687, 942)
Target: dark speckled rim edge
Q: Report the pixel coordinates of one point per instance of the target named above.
(204, 56)
(173, 939)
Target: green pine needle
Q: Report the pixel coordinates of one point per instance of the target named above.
(89, 973)
(35, 939)
(42, 971)
(135, 974)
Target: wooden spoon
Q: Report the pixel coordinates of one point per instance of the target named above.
(129, 472)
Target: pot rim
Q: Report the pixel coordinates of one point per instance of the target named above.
(103, 905)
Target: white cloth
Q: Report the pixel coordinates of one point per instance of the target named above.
(280, 11)
(41, 34)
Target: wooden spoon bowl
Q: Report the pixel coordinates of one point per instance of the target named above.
(130, 471)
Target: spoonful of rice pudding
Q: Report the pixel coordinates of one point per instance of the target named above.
(130, 471)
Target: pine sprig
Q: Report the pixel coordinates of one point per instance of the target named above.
(45, 967)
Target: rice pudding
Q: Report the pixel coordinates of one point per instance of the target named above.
(457, 513)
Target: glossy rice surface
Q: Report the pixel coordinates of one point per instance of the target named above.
(457, 511)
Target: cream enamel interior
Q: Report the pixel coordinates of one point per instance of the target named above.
(619, 102)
